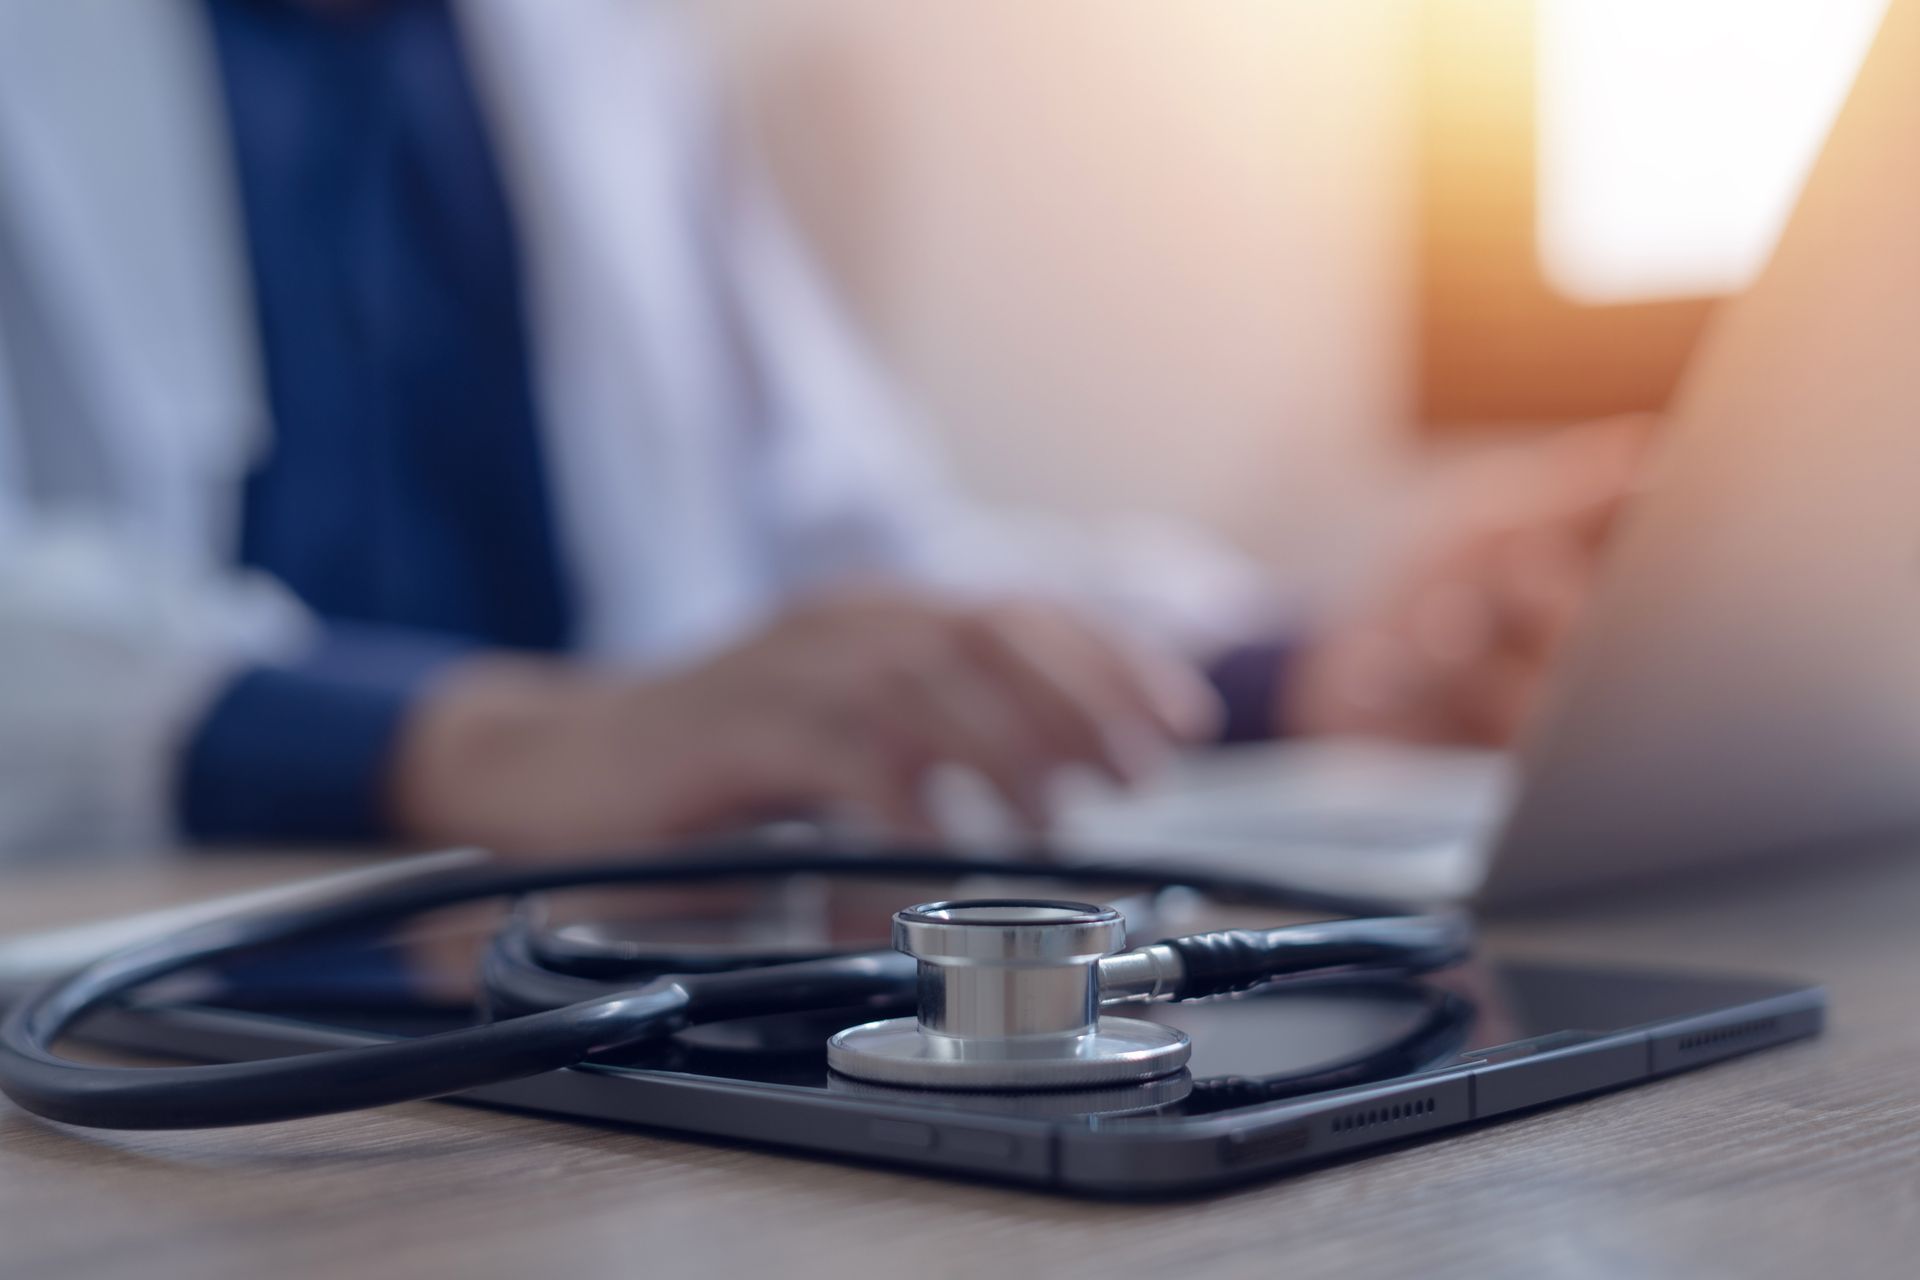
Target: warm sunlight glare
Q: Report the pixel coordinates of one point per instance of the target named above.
(1675, 134)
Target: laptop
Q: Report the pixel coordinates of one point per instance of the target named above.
(1748, 681)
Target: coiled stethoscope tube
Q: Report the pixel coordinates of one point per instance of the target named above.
(609, 1017)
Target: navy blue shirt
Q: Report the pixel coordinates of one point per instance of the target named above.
(405, 497)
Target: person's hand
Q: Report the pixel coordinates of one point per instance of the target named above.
(1452, 644)
(840, 706)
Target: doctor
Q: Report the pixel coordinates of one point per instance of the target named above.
(415, 425)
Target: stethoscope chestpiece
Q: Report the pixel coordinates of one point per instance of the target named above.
(1009, 999)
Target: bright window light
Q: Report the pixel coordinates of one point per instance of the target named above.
(1675, 135)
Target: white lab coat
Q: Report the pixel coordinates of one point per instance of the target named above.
(718, 438)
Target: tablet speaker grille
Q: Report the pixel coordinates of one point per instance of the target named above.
(1720, 1036)
(1384, 1114)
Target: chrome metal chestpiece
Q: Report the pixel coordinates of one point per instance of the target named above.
(1010, 992)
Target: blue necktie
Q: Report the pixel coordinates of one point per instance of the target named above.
(406, 484)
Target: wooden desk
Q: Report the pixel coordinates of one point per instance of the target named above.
(1797, 1162)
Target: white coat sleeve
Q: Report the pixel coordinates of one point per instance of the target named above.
(109, 653)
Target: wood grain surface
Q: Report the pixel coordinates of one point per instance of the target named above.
(1797, 1162)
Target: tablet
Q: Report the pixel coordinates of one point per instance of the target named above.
(1280, 1079)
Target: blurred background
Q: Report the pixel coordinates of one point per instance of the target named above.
(1265, 267)
(1328, 240)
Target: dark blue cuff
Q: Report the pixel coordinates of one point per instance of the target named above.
(300, 752)
(1249, 679)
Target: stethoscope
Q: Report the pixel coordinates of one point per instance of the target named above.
(1007, 994)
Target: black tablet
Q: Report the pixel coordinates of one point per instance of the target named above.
(1280, 1079)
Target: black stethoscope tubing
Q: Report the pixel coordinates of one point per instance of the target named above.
(606, 1021)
